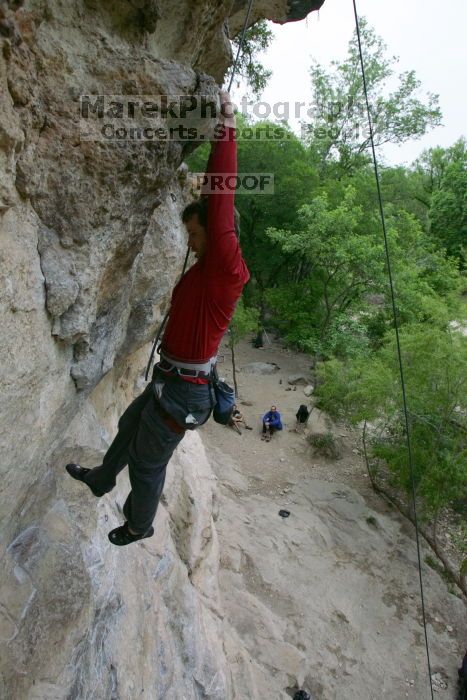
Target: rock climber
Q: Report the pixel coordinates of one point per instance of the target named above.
(271, 423)
(180, 395)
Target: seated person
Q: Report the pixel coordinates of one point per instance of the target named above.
(237, 418)
(271, 423)
(302, 416)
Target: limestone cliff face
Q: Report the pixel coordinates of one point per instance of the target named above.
(90, 245)
(83, 619)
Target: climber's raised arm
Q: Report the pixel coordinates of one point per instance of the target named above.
(221, 177)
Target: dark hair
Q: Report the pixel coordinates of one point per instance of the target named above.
(199, 208)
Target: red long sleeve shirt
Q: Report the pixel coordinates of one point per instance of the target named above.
(204, 300)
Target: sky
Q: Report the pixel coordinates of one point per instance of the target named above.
(429, 37)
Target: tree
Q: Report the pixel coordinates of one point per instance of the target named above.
(257, 39)
(442, 185)
(431, 166)
(272, 148)
(245, 320)
(448, 210)
(342, 303)
(343, 261)
(339, 133)
(435, 364)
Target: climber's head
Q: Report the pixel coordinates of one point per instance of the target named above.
(195, 218)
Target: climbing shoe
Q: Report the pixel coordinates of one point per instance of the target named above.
(79, 473)
(122, 535)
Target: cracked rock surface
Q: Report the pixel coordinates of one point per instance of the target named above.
(81, 618)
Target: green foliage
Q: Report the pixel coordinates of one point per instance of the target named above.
(459, 539)
(319, 274)
(342, 306)
(442, 181)
(435, 366)
(433, 563)
(294, 179)
(197, 161)
(343, 262)
(431, 166)
(339, 133)
(428, 284)
(257, 39)
(448, 211)
(325, 444)
(244, 320)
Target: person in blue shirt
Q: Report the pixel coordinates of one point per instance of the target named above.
(271, 423)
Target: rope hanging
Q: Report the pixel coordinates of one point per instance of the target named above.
(242, 39)
(162, 326)
(164, 320)
(396, 328)
(393, 302)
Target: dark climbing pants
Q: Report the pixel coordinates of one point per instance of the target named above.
(148, 433)
(269, 428)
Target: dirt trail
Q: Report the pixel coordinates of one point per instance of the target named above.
(326, 600)
(288, 456)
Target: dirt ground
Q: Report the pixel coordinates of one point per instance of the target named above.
(288, 455)
(328, 599)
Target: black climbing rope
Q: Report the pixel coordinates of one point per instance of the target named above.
(240, 45)
(162, 326)
(164, 320)
(396, 328)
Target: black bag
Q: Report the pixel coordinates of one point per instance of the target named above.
(302, 695)
(225, 401)
(462, 687)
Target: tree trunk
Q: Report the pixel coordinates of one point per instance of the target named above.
(458, 577)
(234, 370)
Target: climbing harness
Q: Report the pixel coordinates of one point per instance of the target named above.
(187, 369)
(165, 319)
(396, 328)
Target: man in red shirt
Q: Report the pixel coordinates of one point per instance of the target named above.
(180, 395)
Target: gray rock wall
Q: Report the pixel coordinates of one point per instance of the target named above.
(90, 246)
(80, 618)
